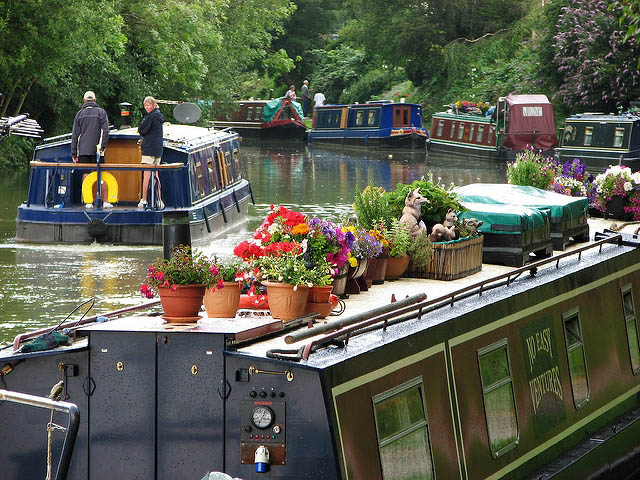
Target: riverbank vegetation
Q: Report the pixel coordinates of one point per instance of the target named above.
(581, 53)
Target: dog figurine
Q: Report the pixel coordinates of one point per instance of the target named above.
(411, 212)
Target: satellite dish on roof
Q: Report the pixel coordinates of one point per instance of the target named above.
(187, 112)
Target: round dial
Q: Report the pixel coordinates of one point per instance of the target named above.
(262, 417)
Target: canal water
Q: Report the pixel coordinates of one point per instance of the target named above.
(40, 285)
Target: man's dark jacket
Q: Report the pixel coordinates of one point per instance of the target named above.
(90, 130)
(151, 130)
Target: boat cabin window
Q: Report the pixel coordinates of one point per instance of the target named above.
(258, 114)
(632, 328)
(499, 400)
(480, 136)
(471, 132)
(588, 134)
(453, 129)
(619, 137)
(403, 433)
(440, 127)
(401, 117)
(576, 358)
(460, 130)
(366, 118)
(249, 113)
(213, 173)
(329, 118)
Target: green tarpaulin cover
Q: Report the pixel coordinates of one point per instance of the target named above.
(504, 219)
(272, 107)
(562, 207)
(46, 341)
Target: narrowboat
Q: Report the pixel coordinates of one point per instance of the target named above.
(276, 118)
(518, 121)
(200, 178)
(600, 140)
(375, 123)
(529, 372)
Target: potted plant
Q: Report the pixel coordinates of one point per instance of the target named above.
(617, 191)
(221, 299)
(377, 267)
(364, 247)
(287, 278)
(399, 241)
(573, 179)
(181, 282)
(372, 207)
(531, 169)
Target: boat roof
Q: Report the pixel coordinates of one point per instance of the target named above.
(602, 117)
(535, 99)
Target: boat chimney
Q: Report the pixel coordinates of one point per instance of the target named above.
(271, 94)
(125, 112)
(175, 231)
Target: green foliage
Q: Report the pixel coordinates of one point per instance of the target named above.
(372, 207)
(531, 169)
(441, 199)
(337, 69)
(15, 153)
(399, 238)
(292, 269)
(420, 249)
(367, 86)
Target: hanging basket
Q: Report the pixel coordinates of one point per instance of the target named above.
(451, 260)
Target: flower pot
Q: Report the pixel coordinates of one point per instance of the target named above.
(286, 303)
(376, 270)
(340, 281)
(182, 304)
(355, 273)
(222, 302)
(615, 209)
(396, 266)
(319, 293)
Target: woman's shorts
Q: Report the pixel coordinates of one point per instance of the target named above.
(149, 160)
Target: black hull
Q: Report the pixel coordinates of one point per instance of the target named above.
(476, 152)
(399, 141)
(600, 160)
(282, 132)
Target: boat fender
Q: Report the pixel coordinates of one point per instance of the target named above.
(87, 186)
(262, 459)
(96, 227)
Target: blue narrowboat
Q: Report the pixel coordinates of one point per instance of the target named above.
(600, 140)
(200, 178)
(377, 123)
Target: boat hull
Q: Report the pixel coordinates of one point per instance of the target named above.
(130, 225)
(288, 131)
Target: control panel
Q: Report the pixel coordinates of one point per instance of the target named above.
(263, 423)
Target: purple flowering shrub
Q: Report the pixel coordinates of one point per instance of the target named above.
(599, 68)
(573, 179)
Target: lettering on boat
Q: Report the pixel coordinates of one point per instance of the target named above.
(539, 347)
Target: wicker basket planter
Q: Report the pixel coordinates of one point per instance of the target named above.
(451, 260)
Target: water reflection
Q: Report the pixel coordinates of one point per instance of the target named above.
(41, 284)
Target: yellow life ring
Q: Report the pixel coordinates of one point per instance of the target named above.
(87, 186)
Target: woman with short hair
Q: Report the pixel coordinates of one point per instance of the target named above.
(150, 129)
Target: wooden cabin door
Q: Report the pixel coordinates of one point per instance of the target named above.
(402, 116)
(129, 183)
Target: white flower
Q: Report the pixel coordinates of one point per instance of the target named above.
(273, 228)
(627, 186)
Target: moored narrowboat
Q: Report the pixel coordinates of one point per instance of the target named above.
(276, 118)
(518, 121)
(201, 186)
(375, 123)
(530, 372)
(600, 140)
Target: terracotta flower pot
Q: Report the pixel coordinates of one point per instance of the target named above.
(222, 302)
(286, 303)
(319, 293)
(182, 304)
(396, 266)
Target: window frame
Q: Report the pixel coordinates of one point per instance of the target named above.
(566, 316)
(500, 344)
(588, 135)
(628, 289)
(424, 423)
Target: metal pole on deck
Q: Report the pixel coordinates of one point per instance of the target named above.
(97, 202)
(175, 231)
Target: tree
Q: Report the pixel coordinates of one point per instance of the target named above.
(599, 69)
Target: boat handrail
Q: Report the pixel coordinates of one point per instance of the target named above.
(368, 322)
(105, 166)
(71, 432)
(74, 323)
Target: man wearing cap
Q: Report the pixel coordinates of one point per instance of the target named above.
(90, 135)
